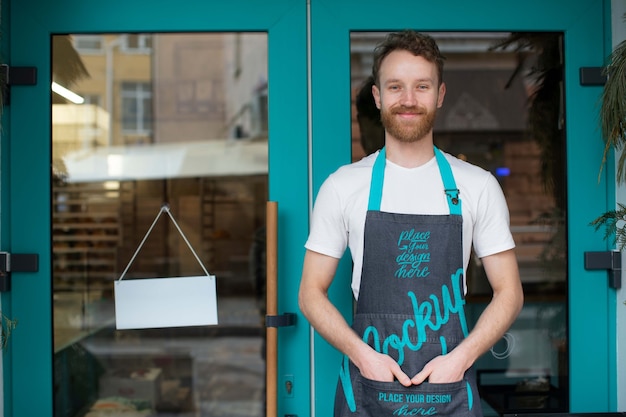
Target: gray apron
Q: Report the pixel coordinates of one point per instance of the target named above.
(410, 307)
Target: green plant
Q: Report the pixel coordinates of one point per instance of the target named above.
(7, 325)
(613, 127)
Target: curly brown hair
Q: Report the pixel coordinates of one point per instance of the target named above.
(416, 43)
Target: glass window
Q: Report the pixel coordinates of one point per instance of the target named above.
(88, 44)
(136, 108)
(137, 43)
(486, 120)
(174, 126)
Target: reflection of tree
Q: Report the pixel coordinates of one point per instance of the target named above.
(545, 126)
(368, 117)
(545, 111)
(67, 69)
(67, 65)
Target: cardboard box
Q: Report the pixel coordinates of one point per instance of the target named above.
(142, 384)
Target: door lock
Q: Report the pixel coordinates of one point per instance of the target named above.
(288, 384)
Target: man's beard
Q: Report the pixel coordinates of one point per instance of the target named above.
(407, 131)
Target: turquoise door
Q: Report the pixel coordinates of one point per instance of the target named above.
(35, 366)
(298, 165)
(341, 31)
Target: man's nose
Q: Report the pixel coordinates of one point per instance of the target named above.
(408, 98)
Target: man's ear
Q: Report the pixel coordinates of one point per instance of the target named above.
(376, 94)
(442, 94)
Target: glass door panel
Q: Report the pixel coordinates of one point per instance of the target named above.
(139, 121)
(486, 120)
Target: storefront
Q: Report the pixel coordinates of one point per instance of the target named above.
(213, 109)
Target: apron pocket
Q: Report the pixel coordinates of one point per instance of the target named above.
(390, 399)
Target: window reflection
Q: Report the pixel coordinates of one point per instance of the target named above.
(166, 118)
(486, 119)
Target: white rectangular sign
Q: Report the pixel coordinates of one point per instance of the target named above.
(165, 302)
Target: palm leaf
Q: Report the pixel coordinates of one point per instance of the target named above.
(614, 224)
(6, 327)
(613, 108)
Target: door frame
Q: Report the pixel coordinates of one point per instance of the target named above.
(26, 179)
(592, 387)
(24, 217)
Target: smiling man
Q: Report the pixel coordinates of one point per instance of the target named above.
(410, 215)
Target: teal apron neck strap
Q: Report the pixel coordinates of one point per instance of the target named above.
(449, 185)
(376, 185)
(378, 176)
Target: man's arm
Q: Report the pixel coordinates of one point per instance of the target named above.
(501, 312)
(318, 273)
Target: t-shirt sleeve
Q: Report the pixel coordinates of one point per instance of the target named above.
(328, 234)
(492, 232)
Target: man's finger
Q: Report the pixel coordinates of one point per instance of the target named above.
(402, 377)
(420, 377)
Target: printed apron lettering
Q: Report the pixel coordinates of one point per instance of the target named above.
(410, 307)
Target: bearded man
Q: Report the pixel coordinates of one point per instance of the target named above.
(410, 215)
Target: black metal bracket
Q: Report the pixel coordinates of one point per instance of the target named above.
(10, 76)
(16, 263)
(592, 76)
(282, 320)
(609, 260)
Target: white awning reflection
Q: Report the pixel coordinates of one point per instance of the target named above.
(161, 161)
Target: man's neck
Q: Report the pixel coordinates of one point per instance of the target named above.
(410, 155)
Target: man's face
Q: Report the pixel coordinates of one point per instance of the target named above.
(409, 96)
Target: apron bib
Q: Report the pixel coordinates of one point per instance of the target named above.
(410, 307)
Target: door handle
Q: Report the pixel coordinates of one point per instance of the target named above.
(609, 260)
(271, 350)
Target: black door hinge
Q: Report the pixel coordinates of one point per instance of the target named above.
(28, 262)
(609, 260)
(592, 76)
(10, 76)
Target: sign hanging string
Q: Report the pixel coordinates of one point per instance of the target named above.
(164, 208)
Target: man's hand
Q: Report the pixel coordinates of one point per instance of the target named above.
(440, 370)
(380, 367)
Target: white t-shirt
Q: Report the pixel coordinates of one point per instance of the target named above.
(341, 205)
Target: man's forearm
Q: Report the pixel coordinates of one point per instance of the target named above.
(329, 323)
(494, 321)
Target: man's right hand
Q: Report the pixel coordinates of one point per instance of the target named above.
(380, 367)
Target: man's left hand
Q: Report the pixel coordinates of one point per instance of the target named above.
(440, 370)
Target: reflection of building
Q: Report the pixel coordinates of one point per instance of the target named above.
(172, 88)
(177, 118)
(78, 127)
(203, 91)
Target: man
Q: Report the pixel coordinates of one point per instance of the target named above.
(410, 215)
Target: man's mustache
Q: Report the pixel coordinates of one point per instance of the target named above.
(408, 109)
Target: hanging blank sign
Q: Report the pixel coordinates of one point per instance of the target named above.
(165, 302)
